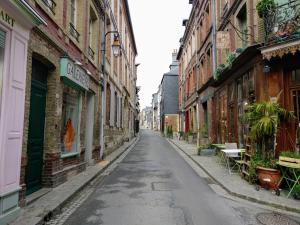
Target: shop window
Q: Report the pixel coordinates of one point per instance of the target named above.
(70, 124)
(296, 75)
(2, 46)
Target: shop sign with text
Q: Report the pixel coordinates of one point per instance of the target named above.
(74, 73)
(6, 18)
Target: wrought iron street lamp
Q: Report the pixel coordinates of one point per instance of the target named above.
(116, 46)
(116, 49)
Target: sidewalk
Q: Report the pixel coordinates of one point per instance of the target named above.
(234, 184)
(53, 201)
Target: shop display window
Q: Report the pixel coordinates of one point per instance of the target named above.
(70, 124)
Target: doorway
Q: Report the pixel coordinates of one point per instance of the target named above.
(35, 144)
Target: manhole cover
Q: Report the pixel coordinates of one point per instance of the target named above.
(275, 219)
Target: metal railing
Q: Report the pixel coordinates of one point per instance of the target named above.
(74, 33)
(91, 53)
(282, 23)
(50, 4)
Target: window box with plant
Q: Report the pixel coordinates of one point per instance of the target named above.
(264, 119)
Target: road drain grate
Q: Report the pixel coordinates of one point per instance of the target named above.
(275, 219)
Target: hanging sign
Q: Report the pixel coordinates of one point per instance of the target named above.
(223, 40)
(74, 74)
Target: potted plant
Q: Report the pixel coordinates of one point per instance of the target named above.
(296, 192)
(266, 11)
(263, 7)
(190, 136)
(204, 150)
(264, 119)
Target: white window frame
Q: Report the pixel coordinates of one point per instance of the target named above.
(73, 10)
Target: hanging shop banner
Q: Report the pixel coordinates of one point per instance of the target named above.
(73, 74)
(223, 39)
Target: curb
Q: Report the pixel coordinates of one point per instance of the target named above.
(60, 206)
(47, 215)
(278, 206)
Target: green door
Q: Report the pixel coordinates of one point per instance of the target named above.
(35, 143)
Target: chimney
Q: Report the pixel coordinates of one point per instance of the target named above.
(175, 62)
(174, 55)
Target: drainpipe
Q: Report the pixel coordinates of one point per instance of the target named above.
(103, 102)
(214, 31)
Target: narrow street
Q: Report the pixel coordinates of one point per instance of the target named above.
(154, 185)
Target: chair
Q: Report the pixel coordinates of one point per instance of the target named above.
(237, 161)
(227, 146)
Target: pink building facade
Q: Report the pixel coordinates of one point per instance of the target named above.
(16, 20)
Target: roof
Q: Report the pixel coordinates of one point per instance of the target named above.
(130, 25)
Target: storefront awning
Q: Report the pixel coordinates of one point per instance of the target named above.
(279, 50)
(28, 11)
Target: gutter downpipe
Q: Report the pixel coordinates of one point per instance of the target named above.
(103, 112)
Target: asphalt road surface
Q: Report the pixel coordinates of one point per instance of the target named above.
(154, 185)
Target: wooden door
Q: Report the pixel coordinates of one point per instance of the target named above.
(35, 143)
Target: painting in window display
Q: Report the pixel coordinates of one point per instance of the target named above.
(70, 121)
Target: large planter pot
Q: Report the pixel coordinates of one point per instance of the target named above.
(268, 177)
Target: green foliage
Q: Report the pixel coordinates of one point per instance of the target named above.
(290, 154)
(219, 70)
(204, 131)
(230, 58)
(239, 50)
(297, 189)
(190, 133)
(202, 146)
(263, 6)
(170, 131)
(264, 119)
(257, 160)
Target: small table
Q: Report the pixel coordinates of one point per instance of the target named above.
(291, 174)
(218, 146)
(228, 154)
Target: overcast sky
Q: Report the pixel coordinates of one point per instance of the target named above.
(157, 26)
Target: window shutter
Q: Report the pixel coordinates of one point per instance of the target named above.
(2, 39)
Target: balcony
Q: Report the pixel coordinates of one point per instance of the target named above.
(282, 23)
(74, 33)
(282, 30)
(50, 4)
(91, 53)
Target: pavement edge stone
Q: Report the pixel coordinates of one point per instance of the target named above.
(249, 198)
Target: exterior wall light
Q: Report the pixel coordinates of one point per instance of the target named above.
(116, 46)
